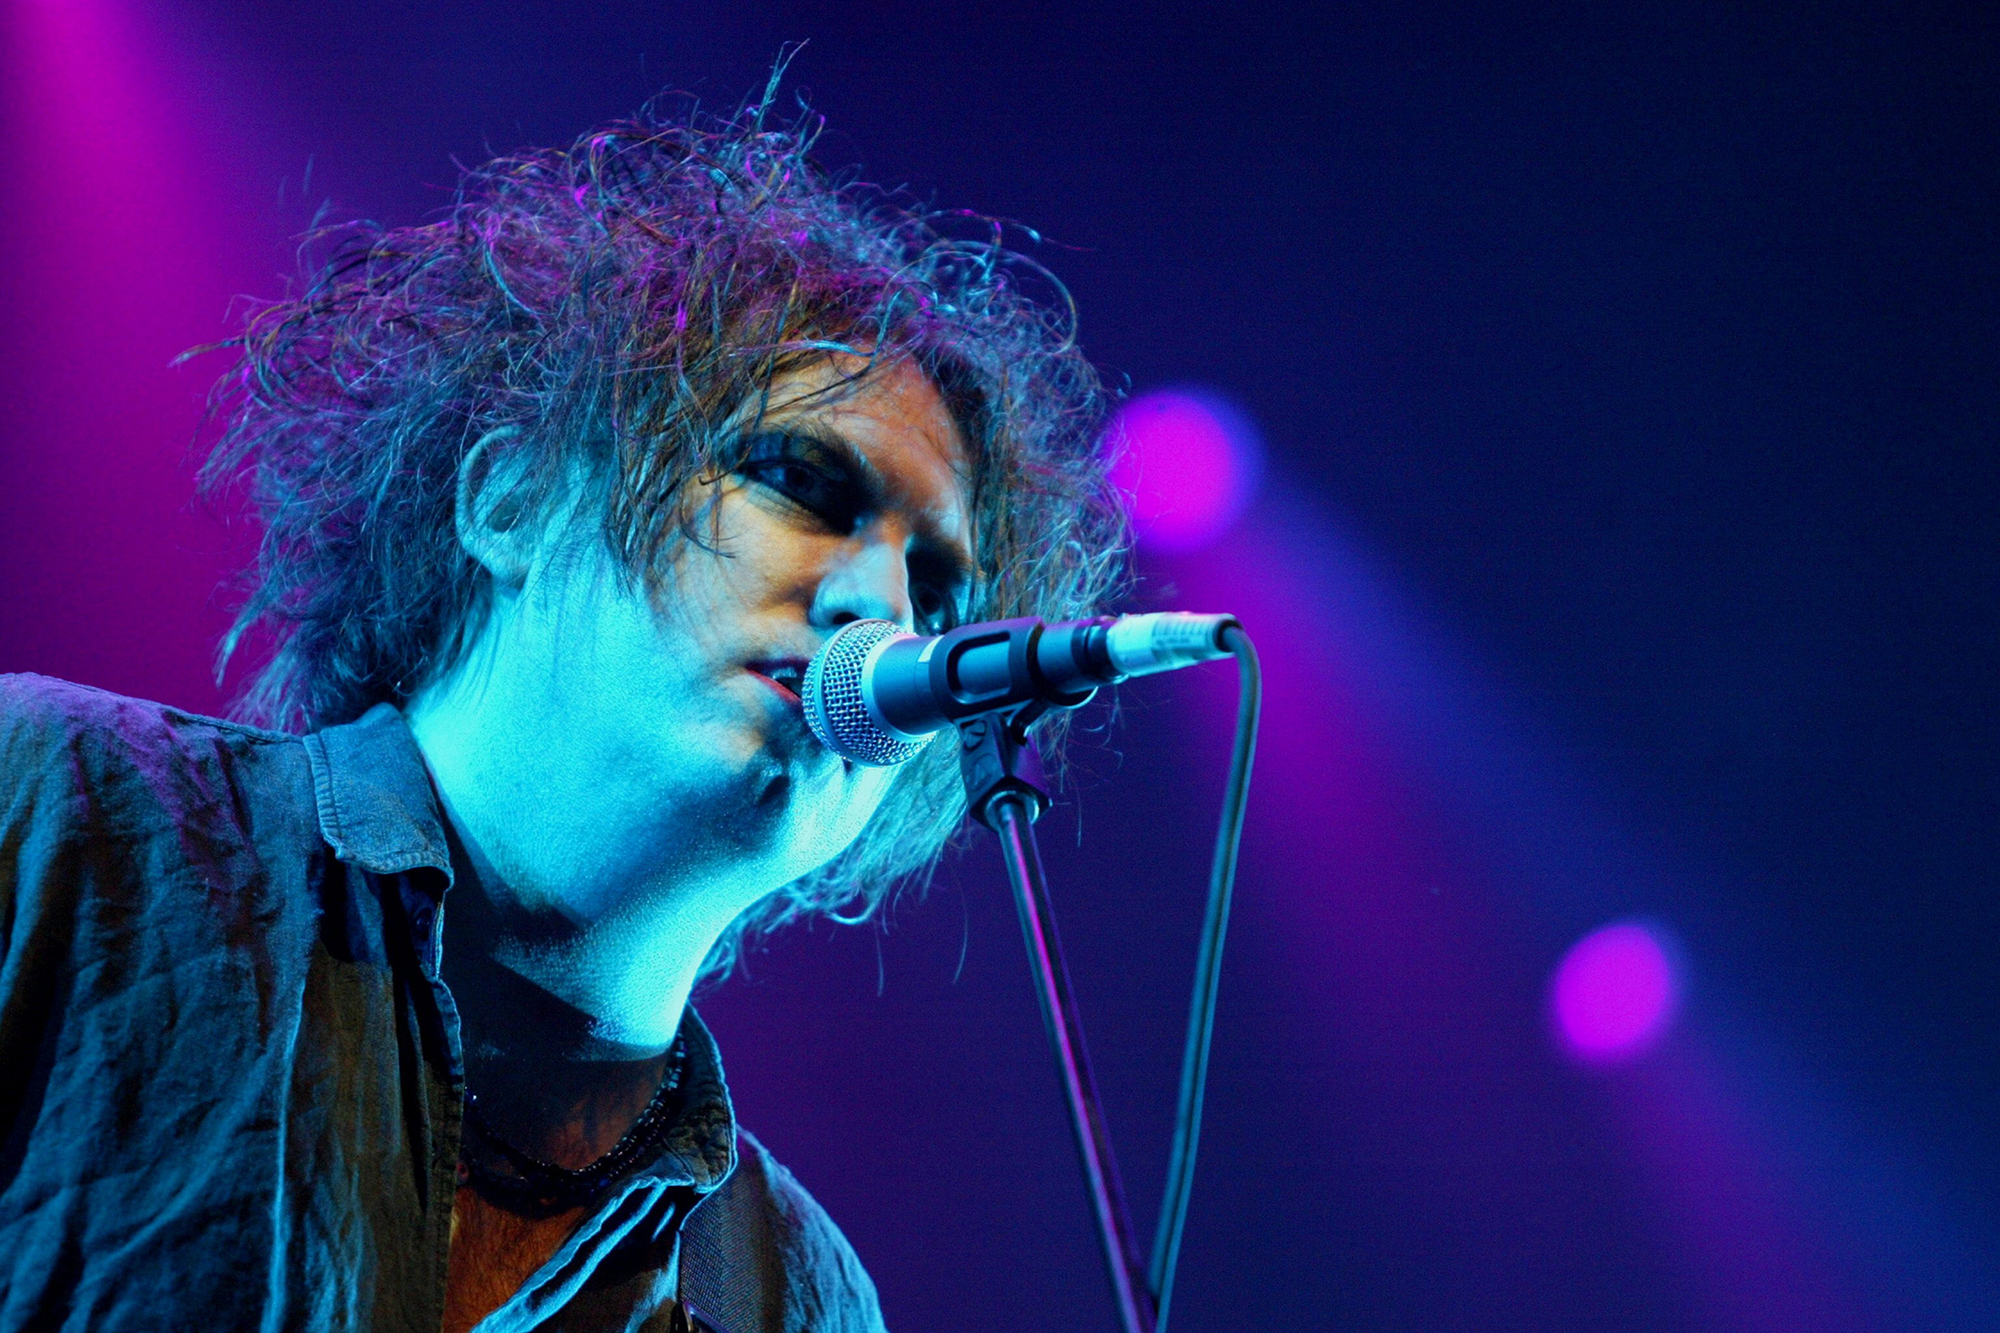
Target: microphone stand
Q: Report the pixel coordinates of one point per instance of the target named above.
(1002, 786)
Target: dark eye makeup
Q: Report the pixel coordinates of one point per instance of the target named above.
(823, 480)
(810, 475)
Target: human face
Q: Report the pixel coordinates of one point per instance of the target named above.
(851, 504)
(668, 712)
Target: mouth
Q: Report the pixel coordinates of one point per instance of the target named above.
(785, 675)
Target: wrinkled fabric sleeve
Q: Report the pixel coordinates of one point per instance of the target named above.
(42, 805)
(45, 810)
(149, 1006)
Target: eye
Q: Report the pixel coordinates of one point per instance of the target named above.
(938, 586)
(806, 475)
(933, 608)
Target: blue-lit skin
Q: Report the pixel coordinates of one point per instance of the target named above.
(625, 774)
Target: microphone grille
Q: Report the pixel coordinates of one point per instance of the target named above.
(836, 709)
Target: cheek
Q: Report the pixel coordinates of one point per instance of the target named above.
(758, 556)
(740, 565)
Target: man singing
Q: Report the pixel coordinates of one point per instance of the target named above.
(379, 1019)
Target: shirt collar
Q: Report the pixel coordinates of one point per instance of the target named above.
(377, 808)
(700, 1149)
(646, 1206)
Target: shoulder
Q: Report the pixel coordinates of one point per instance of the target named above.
(42, 718)
(761, 1256)
(122, 768)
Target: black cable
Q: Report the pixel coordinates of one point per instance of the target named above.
(1207, 976)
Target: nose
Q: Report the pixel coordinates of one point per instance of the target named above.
(870, 580)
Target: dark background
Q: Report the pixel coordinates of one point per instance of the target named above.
(1626, 376)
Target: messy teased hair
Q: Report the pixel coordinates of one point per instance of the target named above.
(610, 309)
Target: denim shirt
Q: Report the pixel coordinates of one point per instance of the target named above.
(230, 1075)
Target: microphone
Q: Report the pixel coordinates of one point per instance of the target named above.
(876, 694)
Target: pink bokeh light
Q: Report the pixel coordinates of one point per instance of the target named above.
(1186, 462)
(1615, 992)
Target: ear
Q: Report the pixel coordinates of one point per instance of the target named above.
(492, 511)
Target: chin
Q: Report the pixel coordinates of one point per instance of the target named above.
(769, 798)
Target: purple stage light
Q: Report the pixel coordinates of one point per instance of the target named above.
(1614, 993)
(1186, 462)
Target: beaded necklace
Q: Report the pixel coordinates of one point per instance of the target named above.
(542, 1188)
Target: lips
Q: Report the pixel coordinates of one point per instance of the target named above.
(785, 674)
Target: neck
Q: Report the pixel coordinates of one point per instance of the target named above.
(548, 1077)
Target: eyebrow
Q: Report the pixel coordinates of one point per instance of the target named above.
(957, 559)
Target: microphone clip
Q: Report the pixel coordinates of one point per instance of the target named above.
(997, 757)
